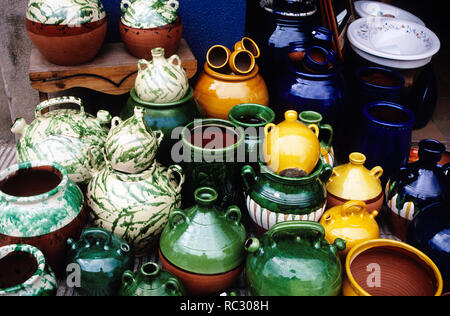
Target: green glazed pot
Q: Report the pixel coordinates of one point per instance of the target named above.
(166, 117)
(204, 239)
(151, 281)
(294, 259)
(102, 258)
(272, 198)
(326, 134)
(24, 272)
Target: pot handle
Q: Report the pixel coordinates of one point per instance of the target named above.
(159, 136)
(353, 208)
(326, 173)
(173, 285)
(268, 127)
(315, 128)
(234, 214)
(174, 214)
(252, 245)
(43, 106)
(143, 62)
(125, 5)
(297, 226)
(116, 121)
(334, 174)
(247, 171)
(176, 169)
(128, 279)
(177, 59)
(90, 162)
(446, 169)
(329, 128)
(377, 172)
(97, 232)
(173, 5)
(405, 175)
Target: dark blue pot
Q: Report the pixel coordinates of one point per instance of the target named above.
(113, 14)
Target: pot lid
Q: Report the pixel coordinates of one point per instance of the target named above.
(380, 9)
(146, 14)
(65, 12)
(204, 239)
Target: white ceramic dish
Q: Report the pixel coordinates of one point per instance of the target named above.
(393, 39)
(375, 8)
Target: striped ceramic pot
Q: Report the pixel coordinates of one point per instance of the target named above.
(131, 146)
(25, 272)
(63, 135)
(272, 198)
(161, 80)
(147, 14)
(135, 207)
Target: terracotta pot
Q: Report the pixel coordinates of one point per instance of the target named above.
(383, 267)
(217, 93)
(140, 42)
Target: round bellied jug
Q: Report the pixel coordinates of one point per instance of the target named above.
(294, 259)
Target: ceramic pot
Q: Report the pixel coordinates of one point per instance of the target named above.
(252, 118)
(67, 32)
(161, 80)
(325, 135)
(417, 185)
(217, 93)
(213, 151)
(272, 198)
(147, 14)
(167, 118)
(204, 240)
(131, 146)
(353, 181)
(102, 258)
(138, 218)
(63, 135)
(429, 232)
(351, 222)
(41, 207)
(24, 272)
(290, 148)
(151, 281)
(276, 263)
(384, 267)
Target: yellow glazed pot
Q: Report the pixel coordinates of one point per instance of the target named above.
(350, 222)
(354, 182)
(384, 267)
(291, 148)
(217, 93)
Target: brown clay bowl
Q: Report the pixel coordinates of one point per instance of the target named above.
(201, 284)
(140, 42)
(68, 46)
(383, 267)
(374, 204)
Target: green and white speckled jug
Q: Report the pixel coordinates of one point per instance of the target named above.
(64, 136)
(131, 146)
(135, 207)
(30, 262)
(161, 81)
(146, 14)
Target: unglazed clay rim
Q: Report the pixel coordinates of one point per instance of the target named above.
(396, 106)
(233, 78)
(375, 243)
(189, 95)
(40, 260)
(390, 72)
(256, 106)
(12, 171)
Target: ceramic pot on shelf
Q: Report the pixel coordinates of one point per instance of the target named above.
(41, 207)
(148, 24)
(150, 280)
(63, 135)
(102, 259)
(276, 262)
(416, 185)
(25, 272)
(204, 245)
(67, 32)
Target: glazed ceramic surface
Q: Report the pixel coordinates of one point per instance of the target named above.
(294, 259)
(150, 280)
(351, 222)
(146, 14)
(380, 9)
(40, 206)
(131, 146)
(102, 259)
(63, 135)
(161, 81)
(31, 276)
(291, 147)
(135, 207)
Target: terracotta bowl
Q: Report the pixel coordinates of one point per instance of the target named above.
(383, 267)
(140, 42)
(68, 46)
(201, 284)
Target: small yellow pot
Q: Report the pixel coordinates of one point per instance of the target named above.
(350, 222)
(291, 148)
(384, 267)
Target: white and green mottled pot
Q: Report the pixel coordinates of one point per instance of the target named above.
(161, 81)
(65, 12)
(131, 146)
(135, 207)
(41, 283)
(63, 136)
(146, 14)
